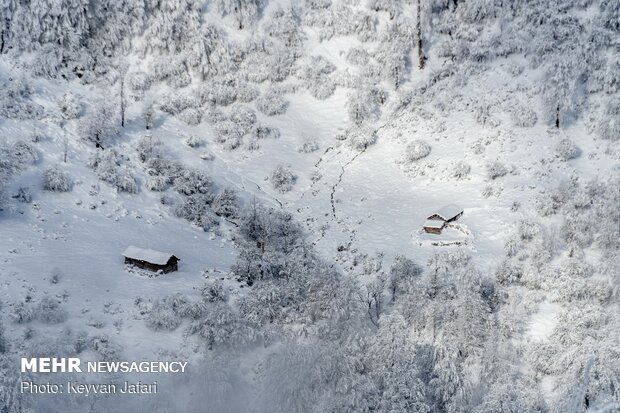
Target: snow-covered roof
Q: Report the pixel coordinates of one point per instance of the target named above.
(434, 223)
(148, 255)
(449, 211)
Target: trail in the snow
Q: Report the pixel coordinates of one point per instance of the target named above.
(342, 172)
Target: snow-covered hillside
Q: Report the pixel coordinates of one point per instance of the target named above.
(289, 154)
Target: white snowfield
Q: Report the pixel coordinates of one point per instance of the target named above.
(481, 147)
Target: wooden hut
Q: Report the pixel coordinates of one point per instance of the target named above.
(434, 226)
(436, 222)
(150, 259)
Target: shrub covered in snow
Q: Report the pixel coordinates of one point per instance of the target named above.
(522, 115)
(228, 134)
(156, 183)
(49, 311)
(16, 101)
(21, 313)
(175, 103)
(194, 141)
(316, 74)
(226, 203)
(225, 90)
(417, 150)
(55, 179)
(483, 115)
(567, 150)
(23, 195)
(192, 181)
(358, 56)
(69, 106)
(283, 179)
(191, 116)
(111, 168)
(125, 181)
(196, 209)
(496, 170)
(173, 70)
(266, 132)
(461, 170)
(322, 89)
(361, 137)
(139, 81)
(308, 146)
(271, 104)
(214, 292)
(162, 317)
(243, 117)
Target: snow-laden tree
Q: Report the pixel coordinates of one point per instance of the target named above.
(244, 12)
(174, 26)
(9, 164)
(101, 124)
(559, 91)
(402, 274)
(226, 203)
(397, 368)
(362, 103)
(11, 399)
(7, 10)
(608, 126)
(69, 106)
(202, 46)
(65, 24)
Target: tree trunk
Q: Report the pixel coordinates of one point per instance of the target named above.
(421, 57)
(123, 103)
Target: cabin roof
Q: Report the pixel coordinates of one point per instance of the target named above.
(148, 255)
(448, 212)
(434, 223)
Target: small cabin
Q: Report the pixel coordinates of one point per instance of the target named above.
(435, 223)
(434, 226)
(150, 259)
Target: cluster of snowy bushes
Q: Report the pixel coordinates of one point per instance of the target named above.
(271, 104)
(240, 125)
(196, 200)
(14, 158)
(114, 168)
(567, 150)
(359, 137)
(16, 101)
(47, 310)
(209, 318)
(317, 75)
